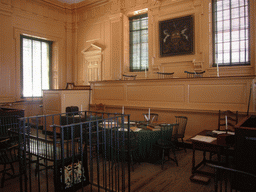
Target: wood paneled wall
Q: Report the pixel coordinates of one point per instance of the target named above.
(72, 28)
(200, 99)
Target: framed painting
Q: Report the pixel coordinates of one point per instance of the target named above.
(176, 36)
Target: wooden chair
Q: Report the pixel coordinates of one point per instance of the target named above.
(227, 120)
(228, 179)
(194, 74)
(98, 109)
(162, 75)
(153, 117)
(8, 156)
(94, 140)
(165, 144)
(125, 144)
(70, 86)
(179, 130)
(129, 77)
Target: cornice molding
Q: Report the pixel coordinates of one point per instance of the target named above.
(5, 9)
(76, 5)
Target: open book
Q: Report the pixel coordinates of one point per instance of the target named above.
(202, 138)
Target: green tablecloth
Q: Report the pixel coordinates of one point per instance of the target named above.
(146, 151)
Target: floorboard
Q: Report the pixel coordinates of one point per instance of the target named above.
(149, 177)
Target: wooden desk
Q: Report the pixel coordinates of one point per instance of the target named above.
(213, 147)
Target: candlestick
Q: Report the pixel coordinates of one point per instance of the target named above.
(217, 63)
(226, 118)
(218, 73)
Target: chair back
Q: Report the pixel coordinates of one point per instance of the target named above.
(180, 129)
(99, 107)
(8, 156)
(124, 140)
(150, 118)
(162, 75)
(166, 135)
(129, 77)
(227, 120)
(194, 74)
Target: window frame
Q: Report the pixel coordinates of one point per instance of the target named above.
(214, 21)
(21, 62)
(131, 69)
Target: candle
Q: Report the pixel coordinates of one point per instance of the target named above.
(218, 73)
(217, 63)
(149, 114)
(226, 118)
(123, 110)
(81, 107)
(145, 72)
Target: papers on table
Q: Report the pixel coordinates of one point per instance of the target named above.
(135, 129)
(131, 122)
(202, 138)
(223, 132)
(109, 123)
(122, 129)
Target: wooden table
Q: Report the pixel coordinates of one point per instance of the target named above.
(213, 147)
(146, 151)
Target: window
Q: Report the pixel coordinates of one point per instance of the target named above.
(35, 66)
(231, 32)
(139, 42)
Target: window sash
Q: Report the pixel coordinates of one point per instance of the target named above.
(139, 43)
(35, 66)
(231, 32)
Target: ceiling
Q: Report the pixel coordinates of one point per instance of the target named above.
(71, 1)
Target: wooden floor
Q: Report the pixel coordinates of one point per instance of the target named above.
(151, 178)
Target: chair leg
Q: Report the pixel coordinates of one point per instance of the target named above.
(3, 176)
(163, 159)
(184, 145)
(37, 167)
(175, 158)
(132, 163)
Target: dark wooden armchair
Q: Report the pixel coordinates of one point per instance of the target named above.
(129, 77)
(194, 74)
(150, 118)
(165, 144)
(227, 120)
(179, 130)
(162, 75)
(228, 179)
(8, 156)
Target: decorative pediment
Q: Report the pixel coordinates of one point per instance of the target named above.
(92, 50)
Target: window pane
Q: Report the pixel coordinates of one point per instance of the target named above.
(45, 66)
(234, 3)
(36, 69)
(36, 66)
(231, 35)
(226, 36)
(139, 43)
(27, 68)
